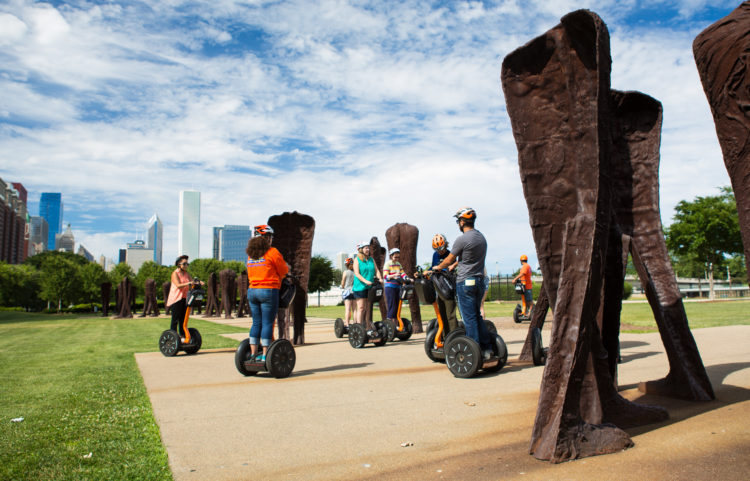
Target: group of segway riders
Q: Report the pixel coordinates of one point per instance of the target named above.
(475, 344)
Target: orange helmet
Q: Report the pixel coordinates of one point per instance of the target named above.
(348, 261)
(524, 258)
(438, 242)
(466, 213)
(262, 229)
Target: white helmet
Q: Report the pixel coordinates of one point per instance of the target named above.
(395, 250)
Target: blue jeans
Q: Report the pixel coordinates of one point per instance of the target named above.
(469, 300)
(264, 304)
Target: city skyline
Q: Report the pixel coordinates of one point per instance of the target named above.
(361, 115)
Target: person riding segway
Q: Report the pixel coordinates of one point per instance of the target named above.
(184, 293)
(397, 289)
(341, 326)
(523, 286)
(478, 349)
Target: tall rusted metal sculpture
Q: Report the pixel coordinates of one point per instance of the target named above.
(228, 280)
(106, 290)
(293, 237)
(722, 53)
(405, 237)
(243, 309)
(150, 307)
(124, 299)
(575, 137)
(212, 299)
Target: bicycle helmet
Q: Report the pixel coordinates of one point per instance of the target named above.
(362, 244)
(348, 261)
(438, 242)
(262, 229)
(524, 258)
(466, 213)
(395, 250)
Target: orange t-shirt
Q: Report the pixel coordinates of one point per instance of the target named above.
(526, 275)
(177, 293)
(266, 272)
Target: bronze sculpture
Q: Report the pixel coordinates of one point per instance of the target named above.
(150, 307)
(228, 292)
(405, 236)
(212, 299)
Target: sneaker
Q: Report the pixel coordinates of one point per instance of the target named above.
(487, 354)
(372, 334)
(260, 358)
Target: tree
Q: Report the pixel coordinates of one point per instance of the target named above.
(19, 286)
(202, 268)
(60, 281)
(151, 270)
(92, 275)
(322, 274)
(120, 272)
(706, 230)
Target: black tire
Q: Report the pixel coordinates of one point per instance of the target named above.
(501, 351)
(490, 326)
(406, 333)
(280, 358)
(517, 314)
(463, 357)
(195, 341)
(357, 335)
(169, 343)
(431, 325)
(429, 345)
(338, 328)
(455, 333)
(538, 354)
(242, 355)
(390, 329)
(383, 332)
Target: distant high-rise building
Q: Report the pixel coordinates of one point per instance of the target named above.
(341, 260)
(51, 208)
(230, 242)
(12, 225)
(65, 241)
(137, 253)
(82, 251)
(155, 234)
(38, 229)
(22, 194)
(189, 225)
(123, 254)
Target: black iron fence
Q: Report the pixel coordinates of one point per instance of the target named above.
(503, 289)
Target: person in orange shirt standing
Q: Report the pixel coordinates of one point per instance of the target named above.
(265, 270)
(525, 276)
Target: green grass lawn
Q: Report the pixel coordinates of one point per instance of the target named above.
(635, 317)
(75, 382)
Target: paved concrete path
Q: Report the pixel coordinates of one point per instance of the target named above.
(347, 413)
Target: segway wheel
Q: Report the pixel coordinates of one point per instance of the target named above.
(390, 329)
(501, 351)
(455, 333)
(463, 357)
(195, 341)
(382, 332)
(429, 345)
(280, 358)
(431, 325)
(490, 326)
(517, 314)
(357, 335)
(242, 355)
(406, 333)
(338, 328)
(538, 354)
(169, 342)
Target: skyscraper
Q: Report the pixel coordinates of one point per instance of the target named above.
(189, 225)
(155, 233)
(230, 242)
(38, 234)
(65, 241)
(51, 208)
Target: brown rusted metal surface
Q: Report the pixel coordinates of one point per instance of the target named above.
(150, 306)
(212, 296)
(722, 54)
(405, 237)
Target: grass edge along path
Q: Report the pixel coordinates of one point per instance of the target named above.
(74, 381)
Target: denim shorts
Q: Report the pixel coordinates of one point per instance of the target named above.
(360, 294)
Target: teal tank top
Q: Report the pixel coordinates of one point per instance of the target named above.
(366, 270)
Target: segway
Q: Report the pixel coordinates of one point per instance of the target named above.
(400, 328)
(427, 289)
(339, 328)
(538, 351)
(518, 312)
(280, 358)
(170, 342)
(358, 335)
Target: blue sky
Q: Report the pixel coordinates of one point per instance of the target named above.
(362, 114)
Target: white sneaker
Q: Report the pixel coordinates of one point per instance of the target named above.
(487, 354)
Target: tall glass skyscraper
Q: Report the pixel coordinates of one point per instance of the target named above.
(51, 208)
(230, 242)
(155, 234)
(189, 224)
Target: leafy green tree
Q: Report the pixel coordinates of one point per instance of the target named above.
(92, 275)
(151, 270)
(202, 268)
(706, 230)
(37, 260)
(236, 266)
(120, 272)
(322, 274)
(60, 281)
(19, 286)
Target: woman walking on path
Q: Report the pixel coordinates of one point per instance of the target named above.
(265, 270)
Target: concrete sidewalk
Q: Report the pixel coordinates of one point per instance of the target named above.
(390, 413)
